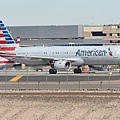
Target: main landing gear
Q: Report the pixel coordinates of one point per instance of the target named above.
(77, 70)
(52, 71)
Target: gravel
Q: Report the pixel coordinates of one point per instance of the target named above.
(53, 107)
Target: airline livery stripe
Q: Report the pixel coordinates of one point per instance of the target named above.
(7, 48)
(4, 55)
(1, 24)
(1, 35)
(16, 78)
(18, 42)
(2, 39)
(1, 62)
(3, 42)
(10, 42)
(3, 28)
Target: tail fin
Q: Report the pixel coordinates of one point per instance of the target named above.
(17, 41)
(5, 36)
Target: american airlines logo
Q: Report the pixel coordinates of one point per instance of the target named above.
(94, 52)
(110, 52)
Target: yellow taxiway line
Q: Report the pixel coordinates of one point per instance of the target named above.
(16, 78)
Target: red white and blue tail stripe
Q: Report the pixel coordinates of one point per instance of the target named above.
(5, 36)
(17, 41)
(7, 43)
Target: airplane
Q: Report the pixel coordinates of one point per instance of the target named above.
(63, 57)
(7, 44)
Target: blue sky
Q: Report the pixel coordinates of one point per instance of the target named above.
(60, 12)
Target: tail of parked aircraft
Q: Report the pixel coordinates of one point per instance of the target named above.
(7, 43)
(5, 36)
(17, 41)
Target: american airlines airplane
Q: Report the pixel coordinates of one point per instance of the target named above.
(63, 57)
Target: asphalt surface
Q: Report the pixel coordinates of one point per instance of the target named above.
(62, 81)
(61, 78)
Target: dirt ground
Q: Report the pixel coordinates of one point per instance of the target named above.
(25, 107)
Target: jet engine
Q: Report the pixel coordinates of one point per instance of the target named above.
(62, 65)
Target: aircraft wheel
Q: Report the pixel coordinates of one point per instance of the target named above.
(52, 71)
(77, 70)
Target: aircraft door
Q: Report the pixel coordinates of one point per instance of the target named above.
(50, 53)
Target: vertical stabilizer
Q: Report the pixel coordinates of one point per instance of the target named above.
(5, 36)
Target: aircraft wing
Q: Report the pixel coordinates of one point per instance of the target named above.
(47, 59)
(37, 58)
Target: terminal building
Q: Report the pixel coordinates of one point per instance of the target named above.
(67, 34)
(110, 34)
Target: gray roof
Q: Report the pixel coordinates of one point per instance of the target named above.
(48, 32)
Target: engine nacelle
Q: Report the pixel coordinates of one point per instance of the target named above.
(62, 64)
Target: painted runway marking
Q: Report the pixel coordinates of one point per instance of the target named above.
(16, 78)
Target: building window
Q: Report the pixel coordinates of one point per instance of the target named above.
(98, 33)
(118, 34)
(110, 34)
(110, 41)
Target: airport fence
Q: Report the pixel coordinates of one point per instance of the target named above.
(62, 81)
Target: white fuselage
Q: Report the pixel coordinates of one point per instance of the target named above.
(91, 55)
